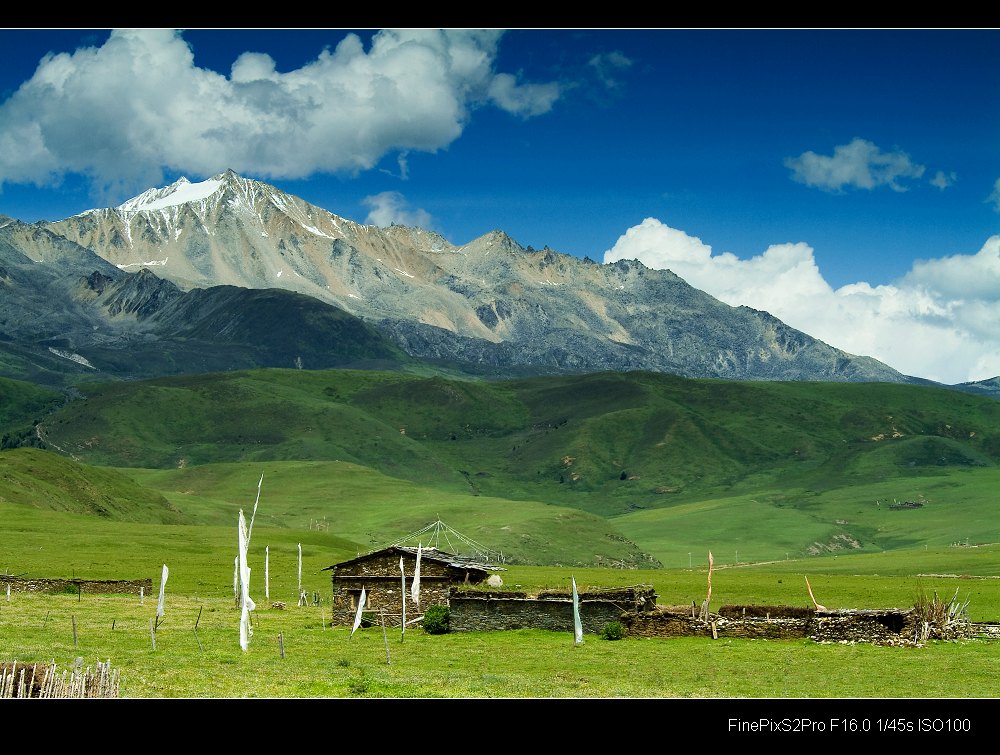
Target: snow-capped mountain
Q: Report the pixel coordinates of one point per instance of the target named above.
(491, 303)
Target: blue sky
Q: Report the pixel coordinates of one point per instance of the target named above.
(847, 181)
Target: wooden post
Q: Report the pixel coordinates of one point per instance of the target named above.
(196, 629)
(152, 633)
(74, 630)
(113, 625)
(402, 597)
(385, 637)
(281, 644)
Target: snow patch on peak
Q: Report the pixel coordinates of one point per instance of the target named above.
(180, 192)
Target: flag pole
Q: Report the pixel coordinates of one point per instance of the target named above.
(402, 595)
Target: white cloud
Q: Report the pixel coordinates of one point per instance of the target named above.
(122, 113)
(524, 100)
(941, 321)
(994, 196)
(943, 180)
(391, 207)
(860, 164)
(607, 65)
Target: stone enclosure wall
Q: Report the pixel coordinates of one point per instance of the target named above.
(100, 586)
(890, 626)
(641, 617)
(478, 611)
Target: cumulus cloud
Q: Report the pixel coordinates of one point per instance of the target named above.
(860, 164)
(941, 321)
(943, 180)
(994, 197)
(122, 113)
(392, 207)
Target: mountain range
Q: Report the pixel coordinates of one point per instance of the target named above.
(231, 273)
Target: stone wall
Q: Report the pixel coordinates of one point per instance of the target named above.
(878, 626)
(475, 610)
(478, 611)
(101, 586)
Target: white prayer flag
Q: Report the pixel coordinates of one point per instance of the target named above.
(300, 570)
(236, 578)
(415, 584)
(357, 616)
(267, 576)
(402, 595)
(250, 529)
(163, 584)
(577, 624)
(246, 628)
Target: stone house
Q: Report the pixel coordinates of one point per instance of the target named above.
(379, 575)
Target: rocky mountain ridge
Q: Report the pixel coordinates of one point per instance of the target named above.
(491, 304)
(66, 313)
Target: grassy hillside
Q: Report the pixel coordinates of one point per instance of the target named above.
(21, 405)
(44, 480)
(606, 443)
(353, 503)
(374, 510)
(752, 471)
(954, 508)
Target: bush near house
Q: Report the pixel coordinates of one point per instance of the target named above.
(436, 619)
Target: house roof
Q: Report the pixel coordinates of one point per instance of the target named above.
(429, 554)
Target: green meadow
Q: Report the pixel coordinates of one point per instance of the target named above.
(879, 495)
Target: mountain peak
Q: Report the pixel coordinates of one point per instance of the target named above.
(493, 240)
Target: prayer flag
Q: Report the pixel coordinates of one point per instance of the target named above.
(577, 624)
(357, 616)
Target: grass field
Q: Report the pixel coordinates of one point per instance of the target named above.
(567, 478)
(294, 653)
(323, 661)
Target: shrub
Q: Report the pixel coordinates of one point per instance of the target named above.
(436, 619)
(613, 630)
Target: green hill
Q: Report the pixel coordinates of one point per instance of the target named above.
(373, 510)
(608, 443)
(674, 465)
(46, 480)
(23, 404)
